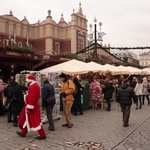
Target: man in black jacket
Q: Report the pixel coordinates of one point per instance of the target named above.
(124, 96)
(16, 100)
(108, 93)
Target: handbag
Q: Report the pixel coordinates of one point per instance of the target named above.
(13, 99)
(51, 99)
(8, 106)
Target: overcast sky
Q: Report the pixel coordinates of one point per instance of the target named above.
(125, 22)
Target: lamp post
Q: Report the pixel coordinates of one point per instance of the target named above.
(95, 36)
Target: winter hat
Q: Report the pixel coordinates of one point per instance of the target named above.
(30, 78)
(62, 75)
(144, 78)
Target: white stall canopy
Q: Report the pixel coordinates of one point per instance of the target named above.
(70, 67)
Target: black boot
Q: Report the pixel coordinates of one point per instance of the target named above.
(75, 114)
(81, 113)
(143, 102)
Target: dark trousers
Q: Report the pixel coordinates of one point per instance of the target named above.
(49, 114)
(147, 96)
(108, 103)
(15, 117)
(77, 106)
(1, 108)
(9, 114)
(126, 113)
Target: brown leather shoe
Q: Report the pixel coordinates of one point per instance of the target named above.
(126, 125)
(70, 125)
(51, 129)
(65, 125)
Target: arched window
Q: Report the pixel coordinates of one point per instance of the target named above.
(6, 42)
(80, 43)
(20, 44)
(57, 48)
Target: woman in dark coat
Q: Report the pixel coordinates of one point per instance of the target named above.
(108, 92)
(15, 96)
(77, 97)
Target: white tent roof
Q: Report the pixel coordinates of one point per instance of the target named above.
(96, 66)
(145, 71)
(128, 70)
(133, 70)
(123, 69)
(105, 68)
(110, 68)
(70, 67)
(78, 67)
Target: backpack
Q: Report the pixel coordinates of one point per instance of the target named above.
(76, 89)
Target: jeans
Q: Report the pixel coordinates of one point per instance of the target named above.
(139, 97)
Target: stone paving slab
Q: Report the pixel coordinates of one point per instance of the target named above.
(97, 126)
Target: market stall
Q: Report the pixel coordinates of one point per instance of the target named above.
(70, 67)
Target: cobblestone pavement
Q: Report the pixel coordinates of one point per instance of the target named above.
(95, 130)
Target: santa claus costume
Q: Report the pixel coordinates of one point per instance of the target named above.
(29, 118)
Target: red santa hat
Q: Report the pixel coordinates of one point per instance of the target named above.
(30, 78)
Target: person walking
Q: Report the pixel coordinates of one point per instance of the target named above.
(2, 87)
(108, 93)
(47, 91)
(66, 91)
(6, 94)
(15, 96)
(124, 97)
(138, 92)
(133, 82)
(146, 85)
(29, 118)
(77, 105)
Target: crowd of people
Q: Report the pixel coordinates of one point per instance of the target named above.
(24, 108)
(123, 89)
(106, 89)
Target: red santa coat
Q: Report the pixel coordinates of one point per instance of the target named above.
(31, 120)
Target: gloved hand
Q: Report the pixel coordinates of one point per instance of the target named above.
(28, 111)
(63, 94)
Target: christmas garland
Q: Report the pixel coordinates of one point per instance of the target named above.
(124, 48)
